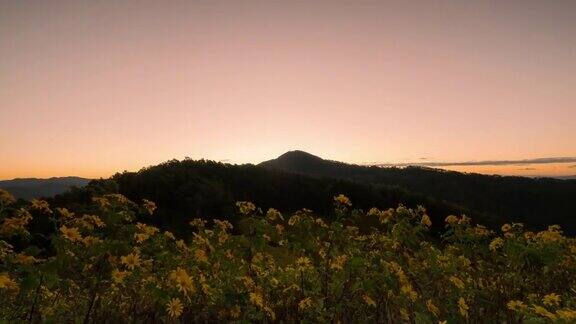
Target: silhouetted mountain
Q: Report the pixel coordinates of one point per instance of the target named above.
(186, 189)
(29, 188)
(534, 201)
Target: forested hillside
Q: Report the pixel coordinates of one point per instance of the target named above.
(536, 202)
(188, 188)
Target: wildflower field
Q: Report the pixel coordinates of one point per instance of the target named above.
(106, 263)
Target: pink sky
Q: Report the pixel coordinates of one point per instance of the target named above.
(90, 88)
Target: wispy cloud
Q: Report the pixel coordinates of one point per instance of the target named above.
(487, 162)
(572, 167)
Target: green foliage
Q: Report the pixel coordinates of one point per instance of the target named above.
(103, 264)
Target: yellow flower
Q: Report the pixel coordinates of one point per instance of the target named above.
(174, 307)
(463, 307)
(457, 282)
(181, 245)
(342, 201)
(256, 299)
(293, 220)
(149, 206)
(567, 314)
(131, 260)
(338, 262)
(516, 305)
(305, 303)
(235, 312)
(200, 255)
(182, 281)
(6, 282)
(102, 202)
(169, 235)
(198, 223)
(272, 215)
(72, 234)
(22, 258)
(368, 300)
(426, 221)
(506, 227)
(6, 198)
(543, 312)
(432, 308)
(303, 263)
(245, 207)
(65, 213)
(407, 290)
(141, 237)
(41, 205)
(551, 299)
(147, 229)
(404, 314)
(16, 224)
(496, 244)
(118, 276)
(451, 220)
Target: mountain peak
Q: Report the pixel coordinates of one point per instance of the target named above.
(298, 155)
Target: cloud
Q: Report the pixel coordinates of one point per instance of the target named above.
(488, 162)
(527, 169)
(572, 167)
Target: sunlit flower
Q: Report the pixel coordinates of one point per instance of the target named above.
(7, 283)
(305, 303)
(6, 198)
(551, 299)
(235, 311)
(342, 200)
(72, 234)
(256, 299)
(496, 244)
(543, 312)
(272, 215)
(303, 263)
(174, 307)
(457, 282)
(65, 213)
(338, 262)
(568, 315)
(182, 281)
(141, 237)
(41, 205)
(245, 207)
(426, 220)
(293, 220)
(516, 305)
(451, 220)
(102, 202)
(131, 260)
(118, 276)
(169, 235)
(25, 259)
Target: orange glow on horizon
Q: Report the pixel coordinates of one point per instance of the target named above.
(94, 88)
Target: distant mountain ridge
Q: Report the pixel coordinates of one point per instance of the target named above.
(504, 197)
(29, 188)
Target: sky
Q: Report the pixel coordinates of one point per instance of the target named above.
(90, 88)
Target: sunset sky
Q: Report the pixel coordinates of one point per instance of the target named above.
(89, 88)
